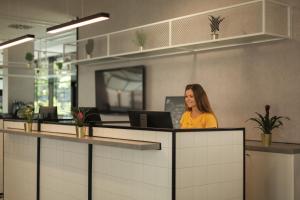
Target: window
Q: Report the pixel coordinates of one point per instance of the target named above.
(54, 79)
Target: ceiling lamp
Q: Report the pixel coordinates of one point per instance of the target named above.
(16, 41)
(78, 22)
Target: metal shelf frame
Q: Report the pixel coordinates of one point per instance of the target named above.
(181, 36)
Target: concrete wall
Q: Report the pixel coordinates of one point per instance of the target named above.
(239, 81)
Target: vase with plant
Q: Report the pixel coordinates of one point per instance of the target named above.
(215, 25)
(89, 47)
(140, 39)
(59, 65)
(79, 118)
(266, 124)
(27, 112)
(29, 58)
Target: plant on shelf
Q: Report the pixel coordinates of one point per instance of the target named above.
(215, 25)
(29, 58)
(266, 124)
(140, 39)
(36, 64)
(59, 65)
(79, 118)
(89, 47)
(27, 112)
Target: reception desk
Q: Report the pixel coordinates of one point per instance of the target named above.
(122, 163)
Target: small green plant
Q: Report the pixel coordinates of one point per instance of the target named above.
(140, 38)
(266, 123)
(59, 65)
(215, 23)
(27, 112)
(29, 57)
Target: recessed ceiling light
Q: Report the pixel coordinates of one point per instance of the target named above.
(20, 26)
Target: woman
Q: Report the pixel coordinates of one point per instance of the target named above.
(198, 112)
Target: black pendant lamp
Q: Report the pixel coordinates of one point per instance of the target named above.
(78, 23)
(16, 41)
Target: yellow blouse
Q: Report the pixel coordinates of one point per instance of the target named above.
(205, 120)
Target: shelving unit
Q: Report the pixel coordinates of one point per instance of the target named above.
(256, 21)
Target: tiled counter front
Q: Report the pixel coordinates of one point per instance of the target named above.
(63, 168)
(1, 159)
(126, 174)
(209, 165)
(139, 165)
(20, 167)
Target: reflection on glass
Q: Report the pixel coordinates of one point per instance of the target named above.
(54, 77)
(120, 90)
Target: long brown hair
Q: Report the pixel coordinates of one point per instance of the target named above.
(200, 97)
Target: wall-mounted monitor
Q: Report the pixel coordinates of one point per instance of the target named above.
(120, 90)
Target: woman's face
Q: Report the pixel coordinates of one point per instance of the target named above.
(189, 99)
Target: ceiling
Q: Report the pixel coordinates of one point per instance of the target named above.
(35, 16)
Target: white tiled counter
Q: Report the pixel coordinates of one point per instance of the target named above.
(272, 172)
(210, 165)
(190, 164)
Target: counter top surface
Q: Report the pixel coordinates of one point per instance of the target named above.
(116, 142)
(276, 147)
(122, 125)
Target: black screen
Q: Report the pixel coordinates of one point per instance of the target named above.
(154, 119)
(120, 90)
(48, 113)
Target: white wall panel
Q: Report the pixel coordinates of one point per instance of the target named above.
(63, 170)
(209, 165)
(20, 167)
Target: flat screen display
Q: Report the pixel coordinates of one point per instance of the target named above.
(153, 119)
(120, 90)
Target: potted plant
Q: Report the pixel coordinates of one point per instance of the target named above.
(59, 65)
(215, 25)
(89, 47)
(140, 39)
(29, 58)
(27, 112)
(266, 124)
(79, 118)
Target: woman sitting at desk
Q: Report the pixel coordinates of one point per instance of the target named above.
(198, 112)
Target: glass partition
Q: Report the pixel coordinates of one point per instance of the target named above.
(54, 79)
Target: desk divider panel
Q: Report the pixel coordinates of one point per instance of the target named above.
(20, 167)
(64, 170)
(1, 158)
(210, 165)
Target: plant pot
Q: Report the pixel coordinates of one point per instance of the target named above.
(266, 139)
(141, 48)
(88, 56)
(214, 36)
(80, 131)
(27, 127)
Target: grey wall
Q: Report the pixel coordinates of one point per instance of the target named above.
(239, 80)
